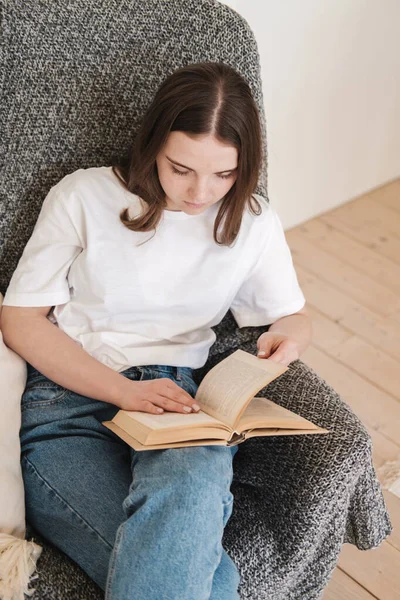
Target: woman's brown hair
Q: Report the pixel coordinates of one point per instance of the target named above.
(204, 98)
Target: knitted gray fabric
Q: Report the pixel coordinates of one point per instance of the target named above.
(77, 77)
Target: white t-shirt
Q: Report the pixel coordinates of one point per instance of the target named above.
(128, 304)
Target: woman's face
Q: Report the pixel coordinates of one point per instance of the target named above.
(195, 169)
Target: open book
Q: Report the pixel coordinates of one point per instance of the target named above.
(229, 413)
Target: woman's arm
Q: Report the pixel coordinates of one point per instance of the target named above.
(28, 332)
(287, 338)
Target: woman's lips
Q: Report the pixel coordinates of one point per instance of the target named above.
(194, 205)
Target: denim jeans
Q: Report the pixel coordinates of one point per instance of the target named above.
(143, 525)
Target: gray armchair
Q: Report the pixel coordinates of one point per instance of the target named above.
(77, 76)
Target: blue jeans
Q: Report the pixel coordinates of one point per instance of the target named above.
(143, 525)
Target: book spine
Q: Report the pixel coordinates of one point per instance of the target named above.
(237, 438)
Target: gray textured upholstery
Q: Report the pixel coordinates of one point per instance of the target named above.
(77, 76)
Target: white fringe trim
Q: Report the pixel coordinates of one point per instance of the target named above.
(17, 564)
(389, 476)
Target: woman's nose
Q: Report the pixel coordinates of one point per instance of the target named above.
(199, 192)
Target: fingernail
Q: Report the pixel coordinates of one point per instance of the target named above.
(261, 353)
(195, 407)
(187, 409)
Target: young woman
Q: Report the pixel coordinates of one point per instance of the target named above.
(139, 262)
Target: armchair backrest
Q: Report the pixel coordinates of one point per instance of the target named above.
(77, 77)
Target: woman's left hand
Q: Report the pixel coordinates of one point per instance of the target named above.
(278, 347)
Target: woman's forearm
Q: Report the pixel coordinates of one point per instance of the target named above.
(297, 327)
(58, 357)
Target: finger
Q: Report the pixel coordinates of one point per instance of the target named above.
(176, 394)
(265, 349)
(179, 394)
(174, 386)
(285, 355)
(171, 405)
(277, 357)
(149, 407)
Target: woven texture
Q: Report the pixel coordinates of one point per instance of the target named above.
(77, 77)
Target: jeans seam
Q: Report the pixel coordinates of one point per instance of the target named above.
(64, 502)
(27, 404)
(113, 559)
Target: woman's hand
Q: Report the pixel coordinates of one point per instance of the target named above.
(278, 347)
(152, 394)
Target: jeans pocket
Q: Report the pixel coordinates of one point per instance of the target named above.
(41, 391)
(190, 386)
(134, 373)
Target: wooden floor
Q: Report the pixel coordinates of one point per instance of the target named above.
(348, 265)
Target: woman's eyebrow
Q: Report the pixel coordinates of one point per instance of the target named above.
(189, 169)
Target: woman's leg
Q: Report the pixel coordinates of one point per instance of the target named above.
(77, 476)
(176, 510)
(177, 506)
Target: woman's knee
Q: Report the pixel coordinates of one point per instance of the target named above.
(193, 465)
(197, 478)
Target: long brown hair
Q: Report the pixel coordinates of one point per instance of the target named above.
(203, 98)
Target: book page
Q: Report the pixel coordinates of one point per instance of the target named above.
(281, 431)
(169, 420)
(170, 427)
(228, 388)
(264, 413)
(136, 445)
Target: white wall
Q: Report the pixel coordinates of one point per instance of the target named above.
(331, 81)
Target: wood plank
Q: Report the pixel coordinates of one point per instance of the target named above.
(326, 333)
(382, 332)
(375, 407)
(395, 317)
(377, 570)
(370, 362)
(389, 195)
(344, 277)
(367, 360)
(372, 235)
(356, 349)
(363, 259)
(365, 212)
(343, 587)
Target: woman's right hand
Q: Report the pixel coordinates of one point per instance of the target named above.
(152, 394)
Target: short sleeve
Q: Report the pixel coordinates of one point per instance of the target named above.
(271, 290)
(40, 278)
